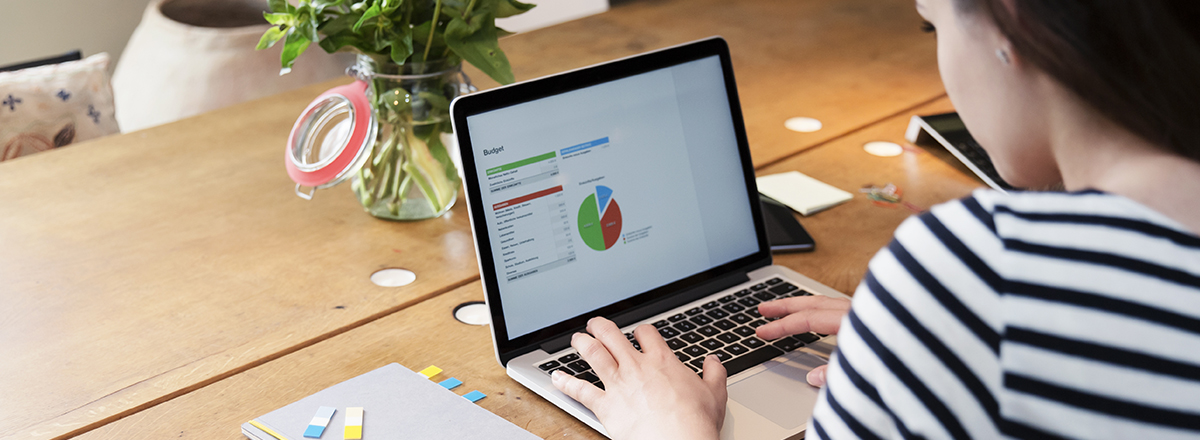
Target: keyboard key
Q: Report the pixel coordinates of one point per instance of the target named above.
(675, 344)
(661, 324)
(695, 350)
(549, 365)
(668, 332)
(740, 318)
(807, 338)
(726, 298)
(637, 346)
(708, 331)
(742, 293)
(721, 355)
(598, 384)
(748, 302)
(717, 314)
(759, 286)
(588, 377)
(709, 305)
(676, 318)
(754, 357)
(684, 326)
(697, 364)
(783, 288)
(569, 358)
(562, 369)
(701, 320)
(788, 343)
(736, 349)
(712, 344)
(724, 324)
(728, 338)
(753, 311)
(764, 296)
(691, 337)
(757, 323)
(682, 357)
(753, 342)
(774, 281)
(801, 292)
(733, 308)
(693, 311)
(579, 366)
(744, 331)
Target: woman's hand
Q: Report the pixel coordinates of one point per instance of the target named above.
(648, 394)
(817, 313)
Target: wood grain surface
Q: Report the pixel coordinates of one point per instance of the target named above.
(427, 334)
(848, 235)
(845, 62)
(416, 337)
(139, 268)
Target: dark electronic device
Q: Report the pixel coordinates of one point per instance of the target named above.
(783, 231)
(948, 130)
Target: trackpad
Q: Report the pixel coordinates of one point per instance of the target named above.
(781, 394)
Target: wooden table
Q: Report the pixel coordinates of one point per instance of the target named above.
(147, 276)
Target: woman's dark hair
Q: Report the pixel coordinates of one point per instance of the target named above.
(1136, 61)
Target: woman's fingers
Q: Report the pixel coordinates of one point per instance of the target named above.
(652, 343)
(715, 374)
(816, 377)
(826, 321)
(610, 335)
(577, 389)
(787, 306)
(595, 354)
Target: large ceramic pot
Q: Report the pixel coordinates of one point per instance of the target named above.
(191, 56)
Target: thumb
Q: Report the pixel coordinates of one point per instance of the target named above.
(816, 377)
(714, 373)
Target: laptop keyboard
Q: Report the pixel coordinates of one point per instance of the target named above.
(723, 327)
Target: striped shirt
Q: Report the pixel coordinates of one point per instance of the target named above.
(1026, 315)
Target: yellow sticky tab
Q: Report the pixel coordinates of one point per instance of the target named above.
(431, 371)
(353, 433)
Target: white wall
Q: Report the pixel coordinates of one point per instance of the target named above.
(31, 29)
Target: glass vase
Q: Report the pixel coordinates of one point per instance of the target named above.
(410, 174)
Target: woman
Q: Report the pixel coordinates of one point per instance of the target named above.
(1034, 314)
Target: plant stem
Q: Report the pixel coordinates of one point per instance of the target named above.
(437, 12)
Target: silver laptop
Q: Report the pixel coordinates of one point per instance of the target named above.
(626, 190)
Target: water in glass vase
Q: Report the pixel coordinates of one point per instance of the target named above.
(409, 174)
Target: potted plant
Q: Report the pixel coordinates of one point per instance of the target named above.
(410, 52)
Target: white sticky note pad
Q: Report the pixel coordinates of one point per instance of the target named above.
(804, 194)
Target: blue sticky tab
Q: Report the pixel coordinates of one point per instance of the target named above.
(474, 396)
(325, 412)
(450, 383)
(314, 431)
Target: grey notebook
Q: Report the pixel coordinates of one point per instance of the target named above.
(397, 403)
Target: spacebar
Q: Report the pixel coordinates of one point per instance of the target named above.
(743, 362)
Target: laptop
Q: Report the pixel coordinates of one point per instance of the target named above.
(626, 190)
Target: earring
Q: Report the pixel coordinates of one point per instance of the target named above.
(1003, 56)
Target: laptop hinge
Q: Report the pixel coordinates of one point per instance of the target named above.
(623, 319)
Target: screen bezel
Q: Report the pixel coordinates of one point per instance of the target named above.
(470, 105)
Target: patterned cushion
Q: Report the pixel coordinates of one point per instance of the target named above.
(53, 106)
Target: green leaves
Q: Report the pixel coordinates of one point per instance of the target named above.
(475, 40)
(445, 29)
(269, 37)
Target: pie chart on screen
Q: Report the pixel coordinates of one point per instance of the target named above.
(600, 219)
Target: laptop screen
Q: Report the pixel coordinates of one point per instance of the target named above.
(595, 195)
